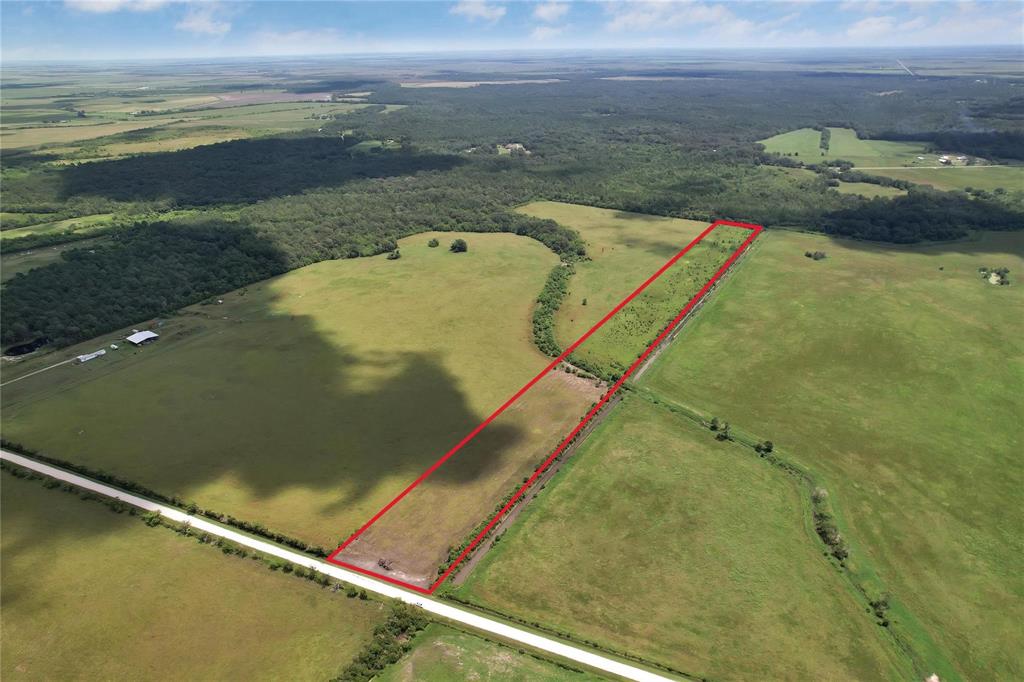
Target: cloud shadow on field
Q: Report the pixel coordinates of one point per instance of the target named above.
(242, 171)
(264, 404)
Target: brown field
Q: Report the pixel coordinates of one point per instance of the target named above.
(439, 513)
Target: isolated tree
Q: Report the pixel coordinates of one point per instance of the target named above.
(433, 243)
(459, 246)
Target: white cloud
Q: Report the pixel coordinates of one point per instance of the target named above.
(107, 6)
(865, 6)
(300, 42)
(550, 11)
(478, 9)
(645, 16)
(775, 23)
(871, 27)
(204, 19)
(914, 24)
(546, 32)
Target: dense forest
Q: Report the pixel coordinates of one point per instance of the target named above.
(685, 148)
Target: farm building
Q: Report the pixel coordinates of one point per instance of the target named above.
(90, 356)
(142, 338)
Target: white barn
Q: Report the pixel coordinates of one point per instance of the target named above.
(139, 338)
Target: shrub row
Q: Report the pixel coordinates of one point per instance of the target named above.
(550, 300)
(391, 640)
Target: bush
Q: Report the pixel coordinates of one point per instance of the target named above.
(395, 255)
(433, 243)
(550, 300)
(459, 246)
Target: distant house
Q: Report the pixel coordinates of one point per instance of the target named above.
(142, 338)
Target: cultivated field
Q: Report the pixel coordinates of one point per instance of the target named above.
(895, 373)
(89, 593)
(725, 581)
(154, 120)
(441, 654)
(306, 402)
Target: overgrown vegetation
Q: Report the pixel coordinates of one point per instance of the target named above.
(391, 640)
(550, 299)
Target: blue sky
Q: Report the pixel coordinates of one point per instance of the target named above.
(132, 29)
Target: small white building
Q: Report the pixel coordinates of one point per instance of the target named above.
(91, 356)
(141, 338)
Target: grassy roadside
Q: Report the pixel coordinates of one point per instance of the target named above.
(84, 525)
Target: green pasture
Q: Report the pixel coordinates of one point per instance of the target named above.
(625, 249)
(90, 593)
(307, 401)
(614, 347)
(804, 143)
(961, 177)
(725, 581)
(86, 223)
(442, 654)
(894, 373)
(844, 144)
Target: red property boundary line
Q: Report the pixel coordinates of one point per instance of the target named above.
(755, 231)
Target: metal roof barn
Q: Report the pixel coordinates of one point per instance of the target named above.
(139, 338)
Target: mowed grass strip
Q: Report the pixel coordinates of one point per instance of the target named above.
(92, 594)
(895, 373)
(442, 654)
(659, 540)
(305, 402)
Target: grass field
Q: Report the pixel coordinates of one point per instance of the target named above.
(895, 373)
(625, 249)
(307, 401)
(804, 143)
(23, 261)
(869, 190)
(962, 177)
(900, 160)
(844, 144)
(615, 346)
(725, 581)
(81, 139)
(441, 654)
(92, 594)
(71, 225)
